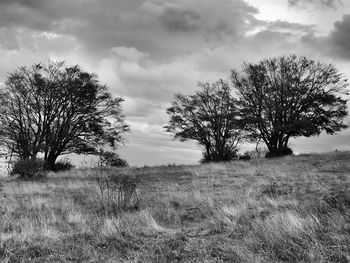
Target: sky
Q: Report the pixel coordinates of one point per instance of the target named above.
(145, 51)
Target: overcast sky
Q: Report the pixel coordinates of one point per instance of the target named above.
(147, 50)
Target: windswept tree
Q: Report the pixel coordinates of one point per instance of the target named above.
(23, 120)
(56, 110)
(291, 96)
(211, 117)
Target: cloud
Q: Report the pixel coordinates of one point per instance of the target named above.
(180, 20)
(335, 44)
(212, 19)
(318, 3)
(285, 26)
(158, 148)
(340, 37)
(132, 73)
(8, 40)
(151, 26)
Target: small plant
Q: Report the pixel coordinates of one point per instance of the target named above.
(126, 194)
(116, 192)
(29, 168)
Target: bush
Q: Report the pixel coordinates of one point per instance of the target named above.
(116, 192)
(29, 168)
(113, 159)
(280, 153)
(126, 186)
(245, 156)
(63, 165)
(227, 155)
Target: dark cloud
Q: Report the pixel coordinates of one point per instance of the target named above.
(94, 24)
(210, 18)
(340, 37)
(335, 44)
(180, 20)
(99, 26)
(318, 3)
(286, 26)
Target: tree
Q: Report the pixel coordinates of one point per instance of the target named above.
(58, 110)
(211, 118)
(22, 120)
(289, 97)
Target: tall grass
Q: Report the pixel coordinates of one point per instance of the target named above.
(294, 209)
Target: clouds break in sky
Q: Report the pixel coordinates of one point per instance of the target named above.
(317, 3)
(147, 50)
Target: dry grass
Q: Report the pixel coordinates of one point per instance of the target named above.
(294, 209)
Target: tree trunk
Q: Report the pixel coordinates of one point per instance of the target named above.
(278, 146)
(50, 161)
(208, 157)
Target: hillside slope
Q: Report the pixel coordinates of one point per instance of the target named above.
(293, 209)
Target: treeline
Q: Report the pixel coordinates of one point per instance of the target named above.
(272, 101)
(51, 110)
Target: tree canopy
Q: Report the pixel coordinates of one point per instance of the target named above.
(290, 96)
(55, 110)
(211, 117)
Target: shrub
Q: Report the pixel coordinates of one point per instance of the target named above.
(245, 156)
(283, 152)
(29, 168)
(113, 159)
(227, 155)
(116, 192)
(126, 186)
(63, 165)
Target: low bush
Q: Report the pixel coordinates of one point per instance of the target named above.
(227, 155)
(280, 153)
(113, 159)
(116, 192)
(126, 194)
(29, 168)
(63, 165)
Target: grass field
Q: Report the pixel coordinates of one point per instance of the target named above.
(293, 209)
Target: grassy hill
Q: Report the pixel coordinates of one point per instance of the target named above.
(293, 209)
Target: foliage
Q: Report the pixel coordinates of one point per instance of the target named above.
(279, 152)
(57, 110)
(289, 97)
(29, 168)
(112, 159)
(228, 155)
(62, 165)
(211, 117)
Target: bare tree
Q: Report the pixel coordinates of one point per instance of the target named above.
(289, 97)
(58, 110)
(211, 117)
